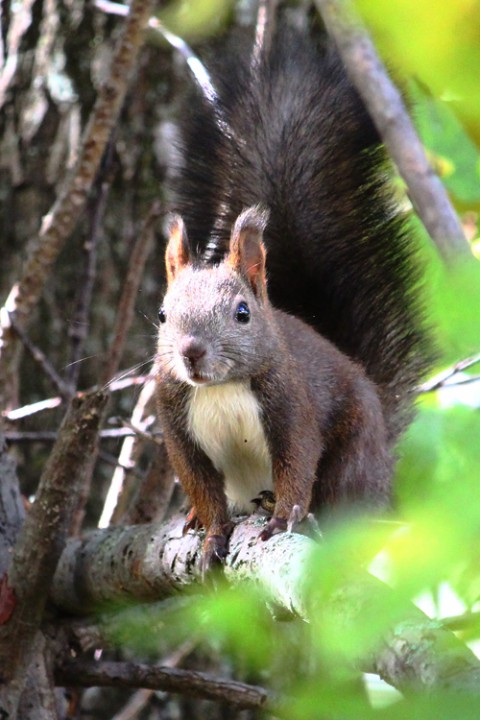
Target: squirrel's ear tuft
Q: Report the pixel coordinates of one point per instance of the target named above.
(246, 251)
(177, 254)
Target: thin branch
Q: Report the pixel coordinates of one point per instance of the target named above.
(54, 402)
(128, 298)
(80, 323)
(48, 436)
(442, 378)
(112, 460)
(264, 27)
(41, 359)
(130, 448)
(154, 493)
(19, 22)
(134, 706)
(388, 112)
(85, 673)
(139, 431)
(467, 621)
(126, 453)
(194, 64)
(140, 698)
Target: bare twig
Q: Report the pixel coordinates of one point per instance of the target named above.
(79, 327)
(140, 698)
(124, 319)
(54, 402)
(467, 621)
(137, 702)
(128, 447)
(139, 430)
(154, 493)
(112, 460)
(128, 298)
(196, 67)
(47, 436)
(19, 23)
(41, 359)
(388, 112)
(189, 682)
(442, 378)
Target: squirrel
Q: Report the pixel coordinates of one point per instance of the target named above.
(291, 337)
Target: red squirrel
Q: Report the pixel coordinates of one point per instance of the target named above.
(290, 338)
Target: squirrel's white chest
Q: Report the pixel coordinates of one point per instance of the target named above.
(225, 420)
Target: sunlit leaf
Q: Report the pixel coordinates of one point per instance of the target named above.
(436, 42)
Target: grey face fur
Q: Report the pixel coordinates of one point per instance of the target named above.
(201, 340)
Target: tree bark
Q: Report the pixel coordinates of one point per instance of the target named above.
(147, 563)
(40, 543)
(88, 673)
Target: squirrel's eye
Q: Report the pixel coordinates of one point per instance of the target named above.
(161, 315)
(242, 314)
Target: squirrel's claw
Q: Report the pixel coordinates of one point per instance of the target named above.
(295, 518)
(275, 525)
(192, 522)
(215, 550)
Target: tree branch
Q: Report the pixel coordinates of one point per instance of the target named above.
(41, 541)
(188, 682)
(126, 305)
(388, 112)
(152, 562)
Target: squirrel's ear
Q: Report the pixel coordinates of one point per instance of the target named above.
(177, 254)
(247, 251)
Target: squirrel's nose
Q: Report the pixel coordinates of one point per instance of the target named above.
(192, 350)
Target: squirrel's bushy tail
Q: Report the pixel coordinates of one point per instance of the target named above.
(300, 142)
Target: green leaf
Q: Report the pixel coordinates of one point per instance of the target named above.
(436, 42)
(452, 152)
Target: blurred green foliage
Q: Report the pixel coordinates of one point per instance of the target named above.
(439, 43)
(194, 20)
(452, 152)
